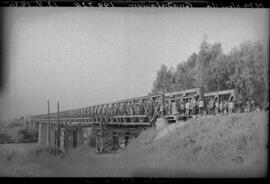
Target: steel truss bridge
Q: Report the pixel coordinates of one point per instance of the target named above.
(116, 121)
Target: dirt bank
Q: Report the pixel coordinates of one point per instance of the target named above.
(216, 146)
(213, 146)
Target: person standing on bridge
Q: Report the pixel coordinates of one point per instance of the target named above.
(108, 111)
(161, 109)
(252, 105)
(182, 107)
(208, 108)
(170, 107)
(113, 108)
(190, 107)
(194, 106)
(100, 110)
(216, 106)
(240, 106)
(128, 108)
(221, 106)
(211, 106)
(247, 109)
(174, 108)
(225, 107)
(230, 106)
(258, 109)
(266, 106)
(92, 112)
(201, 105)
(187, 108)
(141, 108)
(96, 112)
(137, 108)
(104, 110)
(117, 109)
(121, 109)
(166, 109)
(131, 108)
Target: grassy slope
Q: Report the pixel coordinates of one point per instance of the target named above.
(233, 146)
(226, 146)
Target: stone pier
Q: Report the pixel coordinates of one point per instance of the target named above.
(78, 136)
(160, 123)
(42, 134)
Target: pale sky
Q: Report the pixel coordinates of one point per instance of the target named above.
(86, 56)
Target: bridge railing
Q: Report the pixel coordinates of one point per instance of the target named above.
(148, 106)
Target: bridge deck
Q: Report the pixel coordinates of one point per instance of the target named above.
(89, 122)
(133, 116)
(65, 119)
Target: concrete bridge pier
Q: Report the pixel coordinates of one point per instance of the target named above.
(62, 139)
(53, 135)
(80, 136)
(89, 135)
(75, 136)
(42, 133)
(32, 124)
(36, 125)
(26, 124)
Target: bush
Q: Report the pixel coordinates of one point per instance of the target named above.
(5, 138)
(27, 135)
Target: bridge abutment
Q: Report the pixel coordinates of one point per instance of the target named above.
(80, 135)
(160, 123)
(42, 134)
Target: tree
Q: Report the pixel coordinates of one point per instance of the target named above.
(185, 73)
(164, 80)
(248, 74)
(244, 68)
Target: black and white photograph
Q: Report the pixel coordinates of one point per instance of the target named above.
(134, 92)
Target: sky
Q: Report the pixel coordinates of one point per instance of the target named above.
(86, 56)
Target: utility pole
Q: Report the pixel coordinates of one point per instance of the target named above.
(49, 126)
(58, 128)
(66, 137)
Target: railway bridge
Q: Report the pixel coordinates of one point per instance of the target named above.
(114, 124)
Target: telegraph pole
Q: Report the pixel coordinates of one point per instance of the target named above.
(49, 126)
(58, 128)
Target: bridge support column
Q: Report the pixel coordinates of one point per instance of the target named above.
(42, 134)
(115, 141)
(26, 124)
(160, 123)
(53, 142)
(32, 126)
(62, 139)
(80, 136)
(36, 125)
(48, 134)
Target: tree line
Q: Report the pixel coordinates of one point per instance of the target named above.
(244, 68)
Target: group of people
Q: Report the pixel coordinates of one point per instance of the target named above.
(212, 106)
(186, 107)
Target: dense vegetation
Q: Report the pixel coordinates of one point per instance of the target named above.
(244, 68)
(27, 135)
(15, 132)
